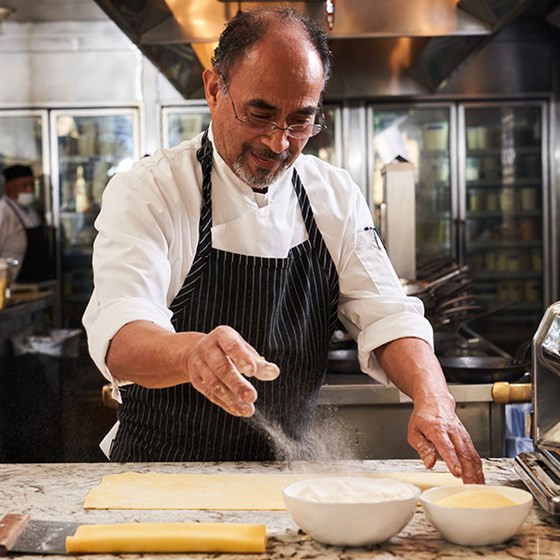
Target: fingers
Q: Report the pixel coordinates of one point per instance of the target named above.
(450, 439)
(266, 371)
(471, 464)
(220, 382)
(217, 365)
(426, 451)
(457, 451)
(244, 357)
(216, 393)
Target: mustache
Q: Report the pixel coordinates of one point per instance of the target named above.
(267, 153)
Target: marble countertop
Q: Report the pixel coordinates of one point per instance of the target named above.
(56, 492)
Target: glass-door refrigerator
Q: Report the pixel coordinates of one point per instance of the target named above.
(327, 145)
(424, 136)
(24, 139)
(89, 146)
(181, 123)
(503, 176)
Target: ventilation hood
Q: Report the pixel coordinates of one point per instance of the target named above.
(403, 45)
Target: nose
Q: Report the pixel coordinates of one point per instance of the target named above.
(277, 140)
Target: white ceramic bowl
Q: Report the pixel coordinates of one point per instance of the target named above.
(353, 510)
(481, 525)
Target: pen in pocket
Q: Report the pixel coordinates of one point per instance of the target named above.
(378, 239)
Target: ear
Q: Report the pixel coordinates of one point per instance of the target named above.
(9, 189)
(211, 80)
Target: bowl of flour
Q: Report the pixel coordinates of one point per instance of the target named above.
(351, 510)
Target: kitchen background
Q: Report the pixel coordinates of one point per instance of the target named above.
(467, 92)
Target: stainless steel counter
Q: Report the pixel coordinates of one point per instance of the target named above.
(375, 417)
(355, 389)
(27, 311)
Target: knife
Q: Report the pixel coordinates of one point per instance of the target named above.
(19, 533)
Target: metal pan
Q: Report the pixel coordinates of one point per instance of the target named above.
(483, 369)
(487, 369)
(343, 361)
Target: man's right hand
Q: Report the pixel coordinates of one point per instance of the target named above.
(218, 364)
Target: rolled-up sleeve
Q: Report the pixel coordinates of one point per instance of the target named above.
(373, 306)
(136, 265)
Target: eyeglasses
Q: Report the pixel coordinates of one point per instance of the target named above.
(260, 126)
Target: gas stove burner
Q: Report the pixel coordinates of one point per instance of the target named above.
(540, 472)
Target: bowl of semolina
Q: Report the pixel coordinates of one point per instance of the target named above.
(476, 514)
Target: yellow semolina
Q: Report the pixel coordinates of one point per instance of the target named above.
(476, 499)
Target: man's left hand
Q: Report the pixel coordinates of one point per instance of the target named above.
(435, 428)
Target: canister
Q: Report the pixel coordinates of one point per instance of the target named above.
(528, 198)
(532, 290)
(507, 200)
(3, 282)
(502, 291)
(513, 263)
(436, 136)
(527, 229)
(492, 202)
(516, 291)
(536, 259)
(476, 200)
(7, 268)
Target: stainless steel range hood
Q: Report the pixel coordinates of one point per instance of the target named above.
(402, 45)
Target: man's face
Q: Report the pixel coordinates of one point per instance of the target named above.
(14, 187)
(275, 83)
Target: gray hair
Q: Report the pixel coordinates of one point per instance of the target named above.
(247, 28)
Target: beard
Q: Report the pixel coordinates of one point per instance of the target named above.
(261, 178)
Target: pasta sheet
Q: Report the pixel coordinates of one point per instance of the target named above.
(223, 491)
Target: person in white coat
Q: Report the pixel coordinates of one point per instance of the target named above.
(222, 266)
(22, 232)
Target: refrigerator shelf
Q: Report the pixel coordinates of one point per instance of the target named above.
(487, 214)
(505, 275)
(478, 246)
(499, 183)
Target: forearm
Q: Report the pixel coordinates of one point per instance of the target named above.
(144, 353)
(215, 363)
(434, 426)
(413, 367)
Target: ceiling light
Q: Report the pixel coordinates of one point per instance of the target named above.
(5, 13)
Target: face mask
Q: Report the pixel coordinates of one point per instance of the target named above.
(25, 199)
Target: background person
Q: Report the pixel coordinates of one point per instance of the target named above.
(234, 246)
(22, 232)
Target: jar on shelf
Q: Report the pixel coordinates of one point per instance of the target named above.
(528, 198)
(476, 200)
(532, 290)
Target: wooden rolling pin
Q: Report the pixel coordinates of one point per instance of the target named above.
(505, 393)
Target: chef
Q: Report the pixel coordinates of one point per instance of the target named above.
(22, 233)
(222, 265)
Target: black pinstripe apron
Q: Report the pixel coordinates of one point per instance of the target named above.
(285, 308)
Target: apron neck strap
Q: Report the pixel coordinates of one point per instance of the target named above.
(204, 157)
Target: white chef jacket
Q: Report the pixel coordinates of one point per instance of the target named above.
(148, 235)
(13, 239)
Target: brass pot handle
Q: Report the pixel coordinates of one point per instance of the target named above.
(107, 397)
(505, 393)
